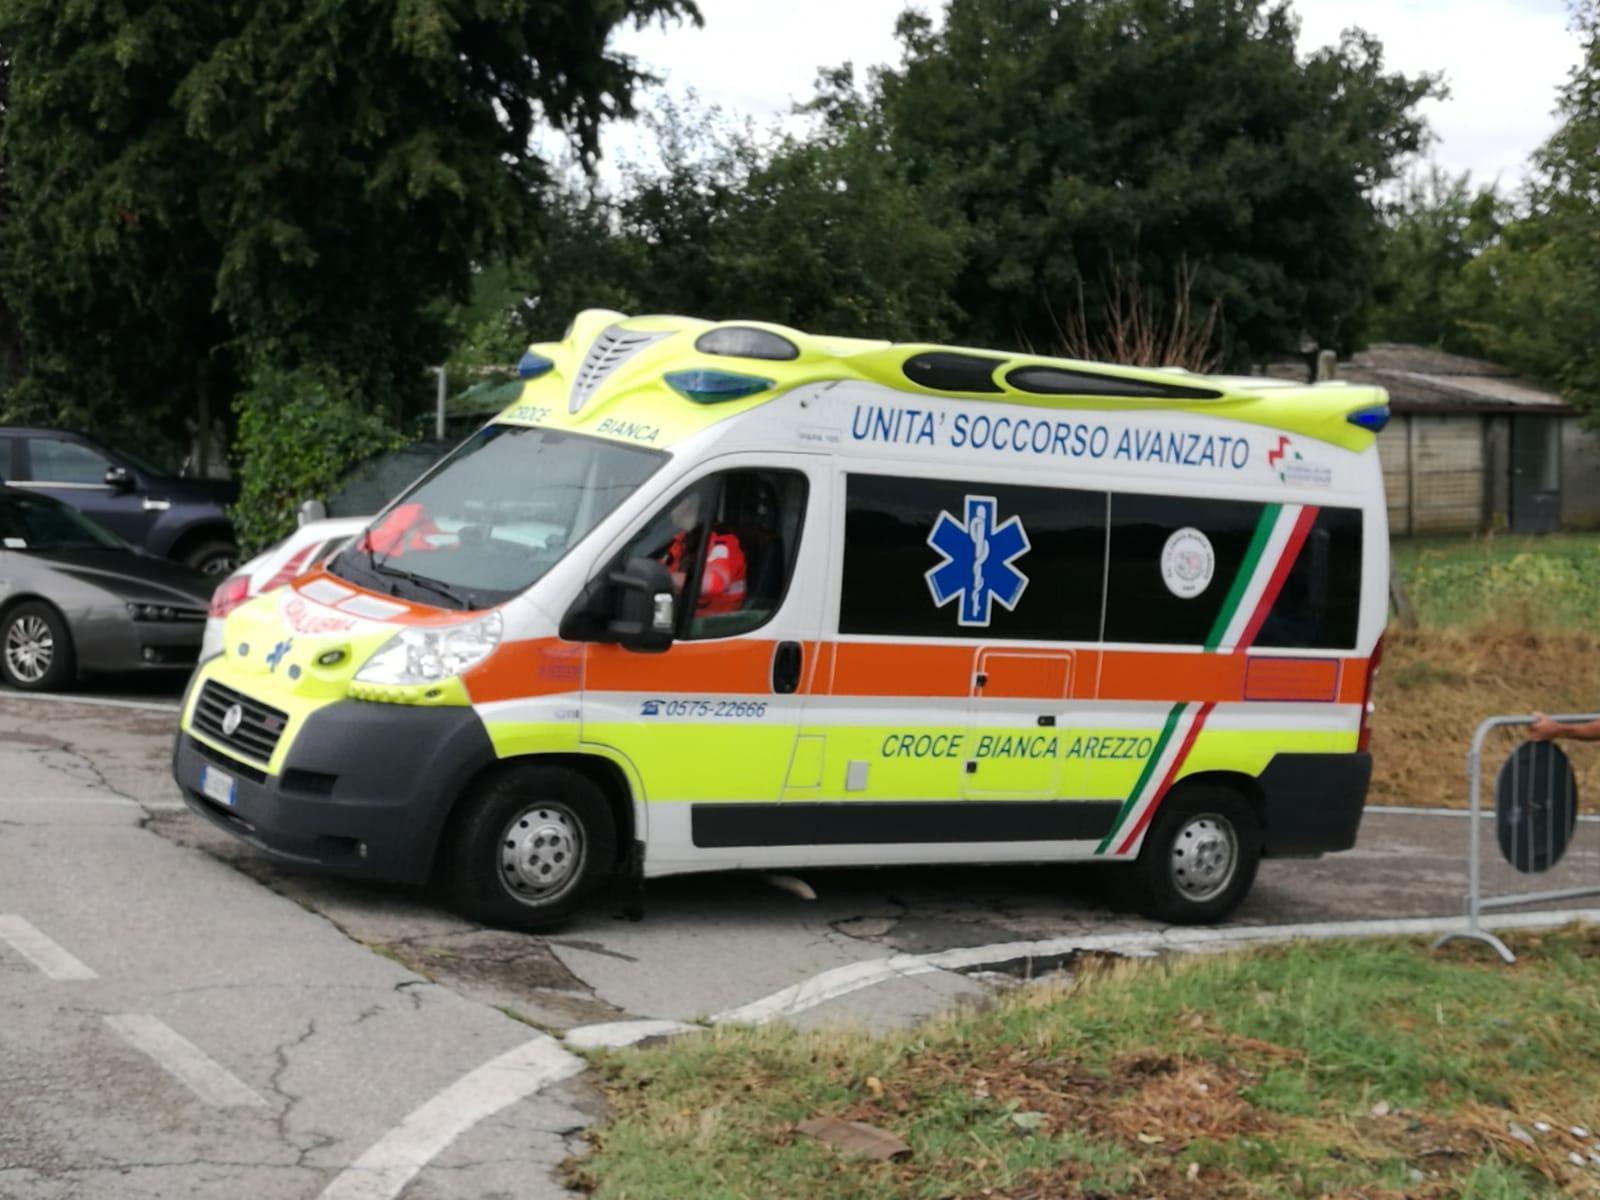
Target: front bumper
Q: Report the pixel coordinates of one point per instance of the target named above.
(364, 790)
(106, 644)
(1312, 803)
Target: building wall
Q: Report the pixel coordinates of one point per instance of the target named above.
(1448, 459)
(1580, 475)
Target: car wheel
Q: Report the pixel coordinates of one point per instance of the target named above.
(529, 848)
(1200, 857)
(213, 558)
(35, 648)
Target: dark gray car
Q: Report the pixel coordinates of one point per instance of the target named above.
(185, 520)
(74, 599)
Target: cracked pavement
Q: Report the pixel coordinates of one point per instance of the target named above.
(346, 1006)
(337, 1043)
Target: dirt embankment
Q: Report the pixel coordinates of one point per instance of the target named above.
(1434, 687)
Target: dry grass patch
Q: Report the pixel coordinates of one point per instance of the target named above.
(1436, 685)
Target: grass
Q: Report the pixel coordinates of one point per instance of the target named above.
(1506, 624)
(1550, 582)
(1374, 1069)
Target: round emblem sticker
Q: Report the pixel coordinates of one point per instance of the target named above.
(1187, 563)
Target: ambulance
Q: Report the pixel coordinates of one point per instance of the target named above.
(717, 596)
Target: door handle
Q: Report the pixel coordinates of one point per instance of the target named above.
(787, 659)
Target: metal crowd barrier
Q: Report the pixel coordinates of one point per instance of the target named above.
(1494, 884)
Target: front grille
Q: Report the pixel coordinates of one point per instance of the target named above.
(259, 730)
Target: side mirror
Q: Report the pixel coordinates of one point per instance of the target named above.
(119, 479)
(645, 613)
(310, 510)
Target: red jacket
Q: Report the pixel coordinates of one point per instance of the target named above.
(722, 584)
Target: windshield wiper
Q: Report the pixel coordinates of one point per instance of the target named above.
(432, 585)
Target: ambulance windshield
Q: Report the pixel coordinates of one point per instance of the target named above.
(494, 516)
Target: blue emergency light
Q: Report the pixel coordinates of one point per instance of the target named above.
(714, 387)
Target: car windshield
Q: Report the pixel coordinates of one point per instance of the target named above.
(44, 525)
(491, 519)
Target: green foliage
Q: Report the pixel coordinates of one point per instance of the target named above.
(300, 430)
(1527, 583)
(197, 187)
(1426, 296)
(1077, 138)
(820, 232)
(1517, 283)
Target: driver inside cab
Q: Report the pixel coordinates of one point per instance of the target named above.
(722, 582)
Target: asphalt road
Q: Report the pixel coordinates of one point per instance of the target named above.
(180, 1017)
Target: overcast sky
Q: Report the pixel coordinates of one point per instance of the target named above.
(1503, 61)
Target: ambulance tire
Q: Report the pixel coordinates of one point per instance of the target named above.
(1199, 859)
(529, 848)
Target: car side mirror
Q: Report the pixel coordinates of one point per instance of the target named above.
(634, 606)
(119, 479)
(645, 613)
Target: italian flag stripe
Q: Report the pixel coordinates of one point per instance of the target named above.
(1172, 771)
(1279, 535)
(1144, 776)
(1247, 570)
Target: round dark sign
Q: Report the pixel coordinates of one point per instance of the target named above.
(1535, 806)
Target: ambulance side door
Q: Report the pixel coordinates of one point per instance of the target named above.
(712, 719)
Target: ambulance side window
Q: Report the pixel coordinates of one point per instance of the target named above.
(943, 558)
(1172, 563)
(1320, 604)
(730, 541)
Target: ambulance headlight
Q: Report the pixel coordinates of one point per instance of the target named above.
(427, 655)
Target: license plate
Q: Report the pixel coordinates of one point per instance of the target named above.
(218, 785)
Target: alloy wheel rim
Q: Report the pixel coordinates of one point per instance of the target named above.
(1205, 857)
(30, 648)
(541, 853)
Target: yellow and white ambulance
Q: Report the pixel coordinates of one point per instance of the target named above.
(715, 596)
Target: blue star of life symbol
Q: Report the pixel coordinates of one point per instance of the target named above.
(977, 561)
(276, 655)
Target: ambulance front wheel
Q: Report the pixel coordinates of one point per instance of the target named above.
(1200, 857)
(529, 848)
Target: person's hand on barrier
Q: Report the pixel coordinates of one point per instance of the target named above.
(1543, 729)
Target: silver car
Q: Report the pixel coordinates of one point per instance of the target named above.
(76, 600)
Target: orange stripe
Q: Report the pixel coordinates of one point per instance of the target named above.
(536, 667)
(543, 666)
(869, 669)
(738, 667)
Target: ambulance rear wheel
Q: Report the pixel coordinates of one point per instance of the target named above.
(529, 848)
(1199, 859)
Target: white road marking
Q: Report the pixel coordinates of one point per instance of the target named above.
(612, 1035)
(185, 1061)
(384, 1170)
(41, 951)
(842, 981)
(101, 702)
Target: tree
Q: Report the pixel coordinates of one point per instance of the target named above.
(1083, 137)
(205, 192)
(1438, 228)
(1565, 208)
(819, 231)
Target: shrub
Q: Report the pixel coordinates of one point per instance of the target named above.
(300, 429)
